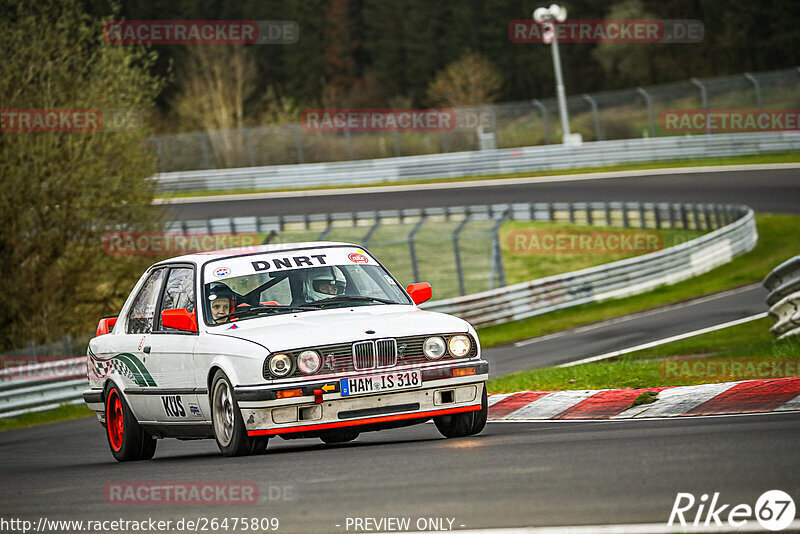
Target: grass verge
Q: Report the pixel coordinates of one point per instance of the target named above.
(62, 413)
(681, 363)
(781, 157)
(779, 240)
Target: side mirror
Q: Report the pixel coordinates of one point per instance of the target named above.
(106, 325)
(179, 319)
(420, 292)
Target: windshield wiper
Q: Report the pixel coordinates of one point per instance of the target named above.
(256, 310)
(344, 298)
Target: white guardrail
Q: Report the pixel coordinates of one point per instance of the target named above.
(483, 162)
(27, 388)
(612, 280)
(783, 284)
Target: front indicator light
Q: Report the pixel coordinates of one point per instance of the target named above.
(280, 365)
(459, 346)
(288, 393)
(464, 371)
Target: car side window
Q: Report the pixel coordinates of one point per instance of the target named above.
(140, 318)
(178, 292)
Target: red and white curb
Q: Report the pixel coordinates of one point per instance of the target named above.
(749, 396)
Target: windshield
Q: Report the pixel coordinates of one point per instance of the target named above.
(295, 281)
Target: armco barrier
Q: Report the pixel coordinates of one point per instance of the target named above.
(484, 162)
(41, 386)
(783, 284)
(618, 279)
(735, 234)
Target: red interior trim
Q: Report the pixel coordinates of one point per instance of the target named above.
(354, 422)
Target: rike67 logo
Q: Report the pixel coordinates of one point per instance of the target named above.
(774, 510)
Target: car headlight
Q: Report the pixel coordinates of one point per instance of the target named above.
(459, 346)
(309, 362)
(280, 364)
(434, 348)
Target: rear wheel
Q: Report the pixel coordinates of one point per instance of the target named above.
(126, 439)
(229, 430)
(464, 424)
(339, 436)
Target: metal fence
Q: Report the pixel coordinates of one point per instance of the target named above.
(623, 114)
(783, 284)
(458, 248)
(485, 162)
(613, 280)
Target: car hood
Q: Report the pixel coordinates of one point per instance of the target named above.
(341, 325)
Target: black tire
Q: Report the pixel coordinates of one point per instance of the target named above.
(339, 436)
(226, 419)
(464, 424)
(126, 439)
(259, 445)
(479, 417)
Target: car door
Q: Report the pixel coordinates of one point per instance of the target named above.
(125, 347)
(170, 354)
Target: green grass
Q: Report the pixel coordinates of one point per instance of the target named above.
(648, 368)
(62, 413)
(779, 240)
(521, 266)
(780, 157)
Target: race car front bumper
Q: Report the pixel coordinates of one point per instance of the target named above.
(441, 393)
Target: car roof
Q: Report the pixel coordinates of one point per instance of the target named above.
(202, 258)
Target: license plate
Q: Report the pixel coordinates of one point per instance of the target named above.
(380, 383)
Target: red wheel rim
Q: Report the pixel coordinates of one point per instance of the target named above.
(114, 420)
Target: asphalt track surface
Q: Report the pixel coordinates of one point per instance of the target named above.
(623, 332)
(511, 475)
(776, 191)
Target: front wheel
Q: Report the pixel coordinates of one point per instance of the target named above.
(464, 424)
(126, 439)
(229, 430)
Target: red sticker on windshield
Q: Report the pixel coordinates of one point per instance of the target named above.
(358, 258)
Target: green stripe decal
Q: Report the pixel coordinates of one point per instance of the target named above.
(142, 368)
(131, 364)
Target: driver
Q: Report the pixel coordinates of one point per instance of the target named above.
(221, 301)
(324, 282)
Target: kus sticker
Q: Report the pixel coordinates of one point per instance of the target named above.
(358, 258)
(219, 272)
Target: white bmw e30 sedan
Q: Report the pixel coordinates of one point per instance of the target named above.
(294, 340)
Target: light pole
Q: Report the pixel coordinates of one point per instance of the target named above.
(547, 17)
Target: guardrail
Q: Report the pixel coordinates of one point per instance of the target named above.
(41, 386)
(733, 232)
(484, 162)
(613, 280)
(783, 284)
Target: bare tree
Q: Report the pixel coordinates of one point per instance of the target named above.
(215, 81)
(470, 81)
